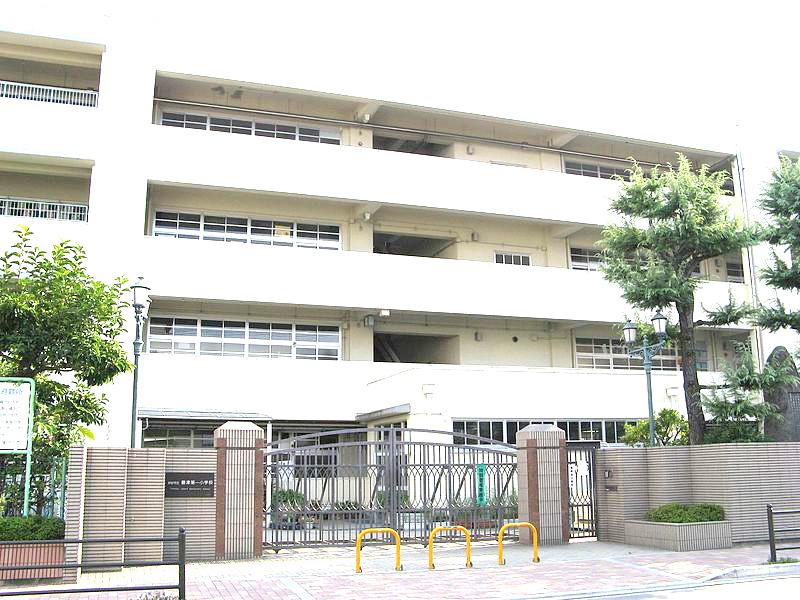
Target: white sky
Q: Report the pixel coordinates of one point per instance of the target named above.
(687, 72)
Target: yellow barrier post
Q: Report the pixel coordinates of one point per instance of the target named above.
(455, 528)
(359, 539)
(534, 535)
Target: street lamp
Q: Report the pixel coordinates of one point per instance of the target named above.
(141, 302)
(647, 351)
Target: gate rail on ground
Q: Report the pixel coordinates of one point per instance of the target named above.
(180, 563)
(771, 514)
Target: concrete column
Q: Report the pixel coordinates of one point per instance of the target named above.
(543, 485)
(240, 489)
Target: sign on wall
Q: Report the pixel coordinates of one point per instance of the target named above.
(189, 485)
(480, 474)
(15, 415)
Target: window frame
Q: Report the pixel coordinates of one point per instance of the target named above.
(248, 237)
(588, 262)
(512, 255)
(197, 339)
(459, 427)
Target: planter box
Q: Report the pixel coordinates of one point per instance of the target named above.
(32, 554)
(679, 537)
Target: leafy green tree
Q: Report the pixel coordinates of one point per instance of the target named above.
(736, 408)
(670, 427)
(59, 326)
(671, 221)
(781, 201)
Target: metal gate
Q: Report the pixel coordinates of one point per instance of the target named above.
(580, 469)
(409, 479)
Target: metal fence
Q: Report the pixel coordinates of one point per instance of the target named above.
(408, 479)
(44, 565)
(582, 493)
(775, 533)
(34, 208)
(47, 491)
(47, 93)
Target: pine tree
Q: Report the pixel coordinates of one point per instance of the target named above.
(671, 221)
(781, 201)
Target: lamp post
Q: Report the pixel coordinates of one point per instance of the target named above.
(141, 301)
(647, 351)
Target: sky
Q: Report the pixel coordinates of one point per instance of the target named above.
(704, 73)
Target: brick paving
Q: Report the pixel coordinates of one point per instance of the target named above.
(328, 573)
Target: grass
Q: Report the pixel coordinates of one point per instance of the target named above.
(784, 560)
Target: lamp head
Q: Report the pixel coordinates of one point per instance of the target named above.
(629, 332)
(659, 322)
(141, 294)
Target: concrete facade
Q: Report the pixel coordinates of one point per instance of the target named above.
(473, 180)
(742, 478)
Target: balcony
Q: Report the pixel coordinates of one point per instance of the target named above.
(47, 93)
(193, 157)
(340, 390)
(365, 281)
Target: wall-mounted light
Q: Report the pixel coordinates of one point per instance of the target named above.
(384, 312)
(367, 215)
(608, 473)
(369, 321)
(478, 336)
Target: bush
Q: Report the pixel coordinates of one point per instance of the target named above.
(686, 513)
(16, 529)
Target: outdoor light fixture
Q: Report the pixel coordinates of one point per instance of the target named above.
(647, 351)
(141, 302)
(369, 321)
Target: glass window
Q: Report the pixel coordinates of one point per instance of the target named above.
(735, 271)
(585, 259)
(510, 258)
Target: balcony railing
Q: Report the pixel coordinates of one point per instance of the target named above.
(47, 93)
(42, 209)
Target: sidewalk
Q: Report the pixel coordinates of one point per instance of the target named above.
(328, 573)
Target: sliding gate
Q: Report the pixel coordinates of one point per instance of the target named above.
(409, 479)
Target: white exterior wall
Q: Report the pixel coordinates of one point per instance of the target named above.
(125, 151)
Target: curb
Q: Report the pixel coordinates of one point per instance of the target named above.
(754, 571)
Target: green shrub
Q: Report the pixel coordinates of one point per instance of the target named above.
(16, 529)
(290, 497)
(686, 513)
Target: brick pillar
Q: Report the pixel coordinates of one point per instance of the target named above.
(543, 484)
(240, 489)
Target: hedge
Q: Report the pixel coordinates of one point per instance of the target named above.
(16, 529)
(686, 513)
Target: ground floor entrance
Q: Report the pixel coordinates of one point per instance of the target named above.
(325, 489)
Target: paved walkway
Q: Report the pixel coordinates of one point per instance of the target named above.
(328, 573)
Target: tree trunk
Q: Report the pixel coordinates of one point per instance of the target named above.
(691, 386)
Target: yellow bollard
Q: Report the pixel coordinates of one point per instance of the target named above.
(534, 535)
(455, 528)
(359, 539)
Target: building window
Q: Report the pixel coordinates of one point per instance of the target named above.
(31, 208)
(505, 430)
(221, 228)
(510, 258)
(585, 259)
(701, 356)
(596, 170)
(177, 437)
(610, 353)
(253, 339)
(735, 271)
(284, 131)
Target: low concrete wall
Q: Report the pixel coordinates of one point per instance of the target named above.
(742, 478)
(679, 537)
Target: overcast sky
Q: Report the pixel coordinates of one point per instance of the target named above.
(680, 71)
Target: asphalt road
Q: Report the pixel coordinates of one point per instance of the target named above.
(774, 588)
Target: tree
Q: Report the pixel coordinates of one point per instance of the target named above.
(59, 326)
(781, 201)
(671, 221)
(671, 430)
(736, 409)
